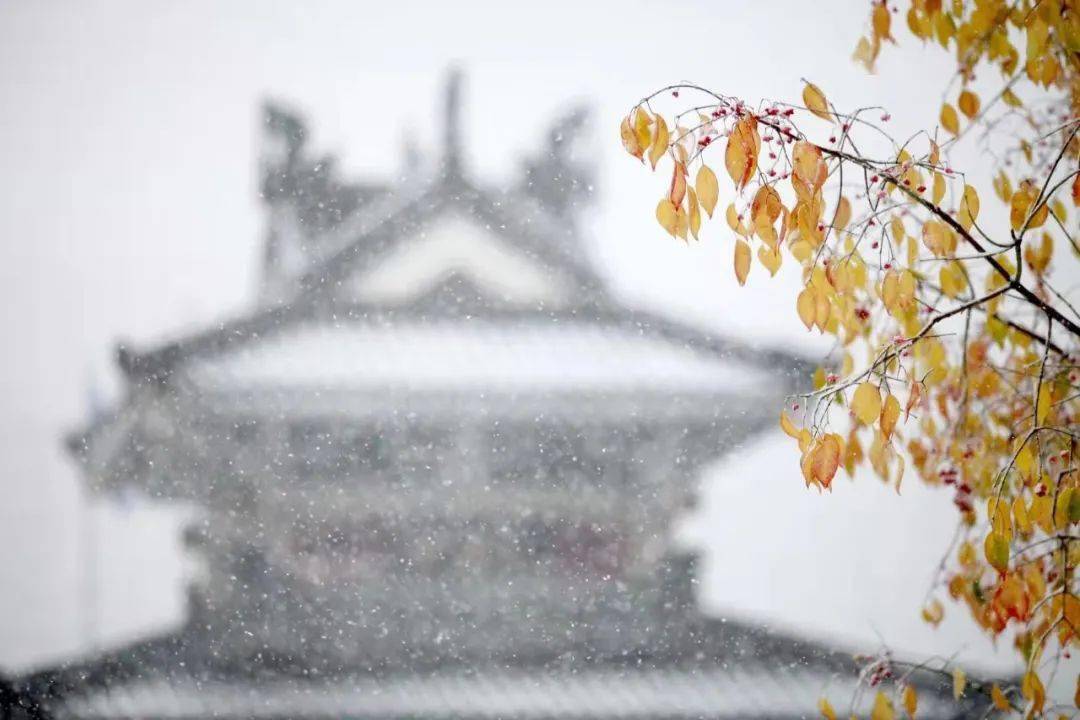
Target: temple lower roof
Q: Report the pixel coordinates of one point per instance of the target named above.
(476, 355)
(734, 691)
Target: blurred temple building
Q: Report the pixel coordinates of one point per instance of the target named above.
(439, 465)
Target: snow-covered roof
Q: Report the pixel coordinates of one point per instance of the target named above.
(737, 691)
(475, 356)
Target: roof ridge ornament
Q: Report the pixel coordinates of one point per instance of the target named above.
(451, 125)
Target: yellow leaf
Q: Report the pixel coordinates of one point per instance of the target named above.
(1033, 690)
(667, 216)
(881, 20)
(1003, 187)
(629, 138)
(742, 261)
(733, 221)
(1020, 205)
(911, 700)
(949, 119)
(996, 549)
(1058, 209)
(1000, 701)
(997, 511)
(1025, 461)
(951, 279)
(890, 413)
(695, 212)
(682, 223)
(866, 52)
(866, 403)
(1042, 512)
(806, 305)
(934, 612)
(843, 213)
(938, 193)
(826, 709)
(643, 128)
(1021, 517)
(822, 310)
(913, 399)
(1042, 406)
(883, 708)
(969, 103)
(959, 683)
(969, 208)
(937, 238)
(816, 102)
(808, 166)
(1064, 508)
(660, 142)
(770, 258)
(890, 290)
(788, 427)
(707, 189)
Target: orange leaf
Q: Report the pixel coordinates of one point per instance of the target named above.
(881, 21)
(911, 700)
(678, 185)
(741, 154)
(1000, 701)
(969, 103)
(959, 683)
(890, 413)
(816, 102)
(825, 459)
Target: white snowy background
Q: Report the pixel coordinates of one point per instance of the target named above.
(128, 209)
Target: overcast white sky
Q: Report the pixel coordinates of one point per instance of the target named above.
(128, 208)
